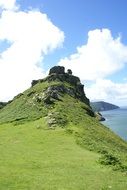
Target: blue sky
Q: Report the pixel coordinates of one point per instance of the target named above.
(88, 36)
(78, 17)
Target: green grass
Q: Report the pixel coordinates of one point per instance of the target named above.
(75, 153)
(25, 106)
(35, 157)
(89, 133)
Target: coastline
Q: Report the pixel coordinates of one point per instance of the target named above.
(116, 120)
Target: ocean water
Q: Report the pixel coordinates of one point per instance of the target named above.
(116, 120)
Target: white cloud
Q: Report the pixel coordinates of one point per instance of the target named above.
(31, 36)
(100, 57)
(107, 90)
(8, 4)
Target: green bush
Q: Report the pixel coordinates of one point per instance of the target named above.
(109, 159)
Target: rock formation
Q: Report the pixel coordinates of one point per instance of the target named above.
(57, 73)
(57, 70)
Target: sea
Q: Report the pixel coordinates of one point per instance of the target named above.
(116, 120)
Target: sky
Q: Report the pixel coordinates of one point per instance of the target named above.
(87, 36)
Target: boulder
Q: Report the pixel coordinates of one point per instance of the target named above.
(57, 70)
(99, 116)
(69, 71)
(34, 82)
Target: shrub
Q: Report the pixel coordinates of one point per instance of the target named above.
(109, 159)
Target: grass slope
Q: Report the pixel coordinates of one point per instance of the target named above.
(67, 155)
(39, 158)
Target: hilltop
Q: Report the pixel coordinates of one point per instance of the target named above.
(51, 139)
(44, 96)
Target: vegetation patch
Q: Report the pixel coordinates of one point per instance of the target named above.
(112, 160)
(35, 157)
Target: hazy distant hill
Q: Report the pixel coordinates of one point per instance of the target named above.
(102, 106)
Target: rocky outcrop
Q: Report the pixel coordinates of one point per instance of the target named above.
(99, 116)
(57, 70)
(69, 71)
(54, 119)
(55, 92)
(74, 87)
(57, 73)
(2, 104)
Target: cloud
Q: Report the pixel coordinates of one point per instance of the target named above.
(28, 36)
(102, 56)
(96, 60)
(8, 4)
(104, 89)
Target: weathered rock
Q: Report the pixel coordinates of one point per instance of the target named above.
(57, 70)
(55, 118)
(69, 71)
(54, 93)
(34, 82)
(51, 121)
(99, 116)
(47, 99)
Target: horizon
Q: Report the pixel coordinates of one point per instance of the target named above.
(90, 38)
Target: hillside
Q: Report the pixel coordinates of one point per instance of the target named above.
(103, 106)
(46, 96)
(50, 139)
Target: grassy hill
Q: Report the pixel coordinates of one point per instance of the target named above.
(35, 157)
(50, 139)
